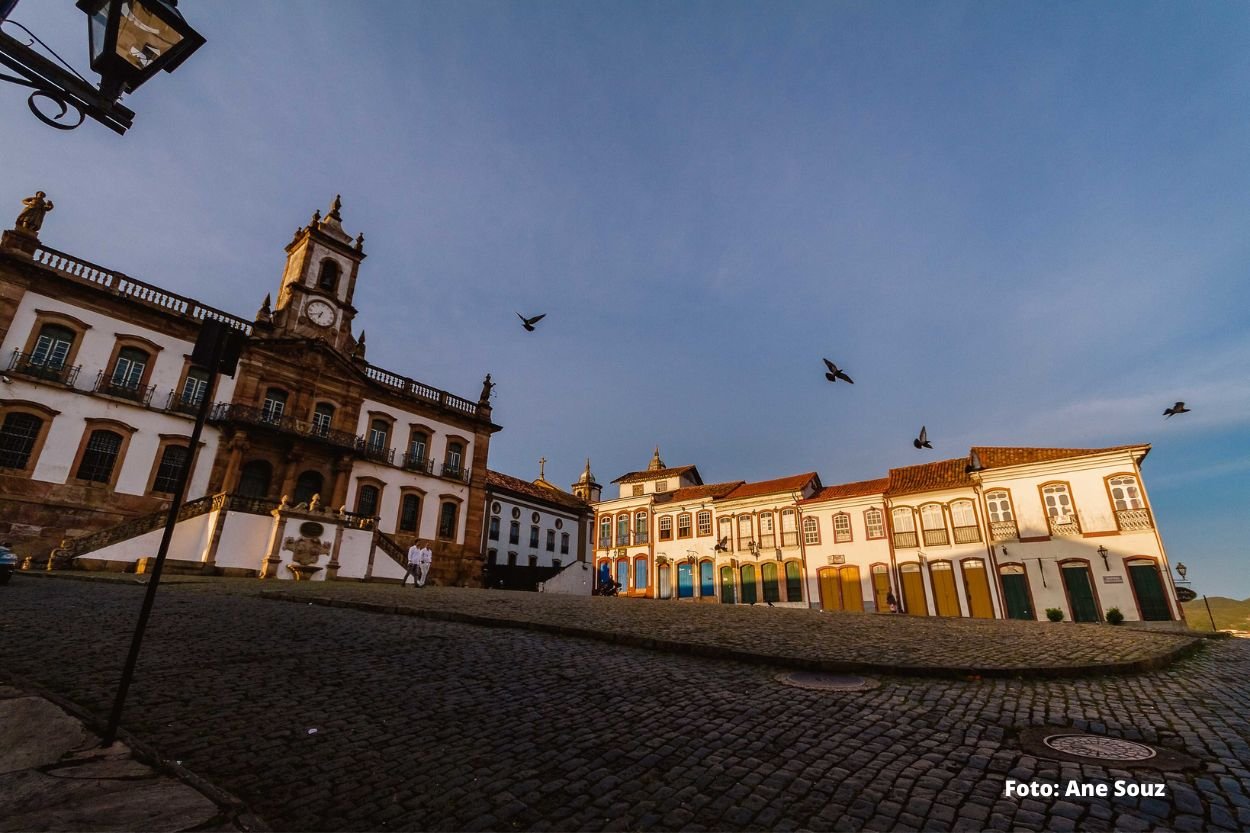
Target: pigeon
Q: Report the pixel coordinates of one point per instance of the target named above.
(835, 373)
(721, 545)
(528, 323)
(1178, 408)
(974, 463)
(923, 440)
(770, 604)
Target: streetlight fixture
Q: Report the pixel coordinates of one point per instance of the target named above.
(1103, 552)
(129, 41)
(754, 548)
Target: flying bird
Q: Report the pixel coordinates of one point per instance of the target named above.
(528, 323)
(1178, 408)
(923, 440)
(974, 463)
(721, 545)
(835, 373)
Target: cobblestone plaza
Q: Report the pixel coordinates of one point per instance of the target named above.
(424, 724)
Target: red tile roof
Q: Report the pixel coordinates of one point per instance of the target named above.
(655, 474)
(794, 483)
(997, 456)
(926, 477)
(548, 493)
(857, 489)
(715, 491)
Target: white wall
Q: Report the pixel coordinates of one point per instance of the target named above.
(188, 543)
(244, 541)
(547, 518)
(573, 580)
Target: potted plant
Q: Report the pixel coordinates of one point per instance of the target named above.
(1054, 614)
(1114, 616)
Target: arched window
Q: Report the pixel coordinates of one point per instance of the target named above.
(564, 543)
(367, 500)
(514, 532)
(129, 368)
(703, 523)
(725, 529)
(768, 534)
(811, 530)
(640, 528)
(622, 530)
(323, 416)
(964, 519)
(100, 456)
(379, 434)
(933, 522)
(309, 483)
(194, 387)
(493, 534)
(410, 515)
(789, 528)
(52, 346)
(254, 479)
(447, 514)
(274, 405)
(1124, 492)
(454, 466)
(169, 471)
(328, 278)
(874, 523)
(841, 528)
(605, 532)
(746, 532)
(904, 527)
(1002, 521)
(1060, 511)
(17, 439)
(418, 450)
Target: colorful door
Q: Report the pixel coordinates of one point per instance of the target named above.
(794, 582)
(881, 587)
(771, 591)
(1016, 592)
(945, 597)
(913, 589)
(727, 595)
(830, 589)
(1080, 593)
(685, 581)
(977, 584)
(852, 590)
(748, 585)
(707, 580)
(1149, 589)
(663, 581)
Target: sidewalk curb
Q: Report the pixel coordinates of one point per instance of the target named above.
(233, 810)
(1154, 663)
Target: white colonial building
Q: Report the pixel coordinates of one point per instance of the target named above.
(1001, 533)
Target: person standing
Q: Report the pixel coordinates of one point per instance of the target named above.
(427, 558)
(891, 601)
(414, 565)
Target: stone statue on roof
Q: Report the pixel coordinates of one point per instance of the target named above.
(31, 218)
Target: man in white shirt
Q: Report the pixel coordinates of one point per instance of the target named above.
(414, 566)
(427, 558)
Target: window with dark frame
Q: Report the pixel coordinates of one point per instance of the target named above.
(447, 520)
(129, 367)
(52, 346)
(17, 439)
(170, 469)
(367, 500)
(410, 513)
(100, 456)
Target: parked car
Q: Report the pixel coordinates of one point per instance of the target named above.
(8, 563)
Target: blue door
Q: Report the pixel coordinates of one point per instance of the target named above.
(685, 581)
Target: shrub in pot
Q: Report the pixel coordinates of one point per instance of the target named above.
(1054, 614)
(1114, 616)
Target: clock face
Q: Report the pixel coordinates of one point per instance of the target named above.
(320, 313)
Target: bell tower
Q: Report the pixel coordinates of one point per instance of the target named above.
(586, 488)
(322, 262)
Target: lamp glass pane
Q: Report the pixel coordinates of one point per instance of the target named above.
(97, 24)
(142, 36)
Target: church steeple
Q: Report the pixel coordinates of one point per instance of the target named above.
(656, 463)
(586, 488)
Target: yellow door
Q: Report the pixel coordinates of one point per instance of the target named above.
(977, 583)
(830, 590)
(913, 589)
(852, 591)
(881, 587)
(945, 597)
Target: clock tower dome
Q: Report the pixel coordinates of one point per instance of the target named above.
(315, 300)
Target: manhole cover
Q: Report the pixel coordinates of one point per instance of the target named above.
(1095, 746)
(821, 681)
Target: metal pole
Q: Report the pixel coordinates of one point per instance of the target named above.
(201, 416)
(1208, 604)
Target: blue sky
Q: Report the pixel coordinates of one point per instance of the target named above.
(1016, 223)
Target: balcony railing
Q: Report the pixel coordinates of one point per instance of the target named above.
(1132, 520)
(790, 539)
(935, 538)
(967, 534)
(452, 472)
(417, 463)
(175, 401)
(640, 537)
(379, 453)
(24, 364)
(905, 539)
(1003, 530)
(230, 412)
(104, 383)
(1064, 525)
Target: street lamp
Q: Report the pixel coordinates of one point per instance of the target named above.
(754, 548)
(1103, 552)
(129, 42)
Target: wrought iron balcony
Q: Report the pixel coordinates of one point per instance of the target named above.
(379, 453)
(1133, 520)
(967, 534)
(905, 539)
(417, 463)
(106, 384)
(24, 364)
(936, 538)
(182, 404)
(1003, 530)
(640, 537)
(249, 415)
(454, 472)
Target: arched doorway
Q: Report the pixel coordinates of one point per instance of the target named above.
(830, 588)
(852, 590)
(1152, 601)
(913, 589)
(748, 584)
(1016, 592)
(1080, 591)
(707, 580)
(768, 572)
(727, 595)
(945, 597)
(254, 479)
(685, 580)
(308, 484)
(881, 587)
(977, 586)
(663, 581)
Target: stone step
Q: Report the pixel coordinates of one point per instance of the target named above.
(173, 566)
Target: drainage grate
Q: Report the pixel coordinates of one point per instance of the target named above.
(822, 681)
(1099, 748)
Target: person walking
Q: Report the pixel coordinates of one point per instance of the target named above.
(891, 601)
(423, 566)
(414, 564)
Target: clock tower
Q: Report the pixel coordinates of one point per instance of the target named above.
(315, 300)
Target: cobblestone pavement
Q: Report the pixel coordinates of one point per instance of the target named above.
(425, 724)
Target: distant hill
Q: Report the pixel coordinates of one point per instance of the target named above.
(1229, 614)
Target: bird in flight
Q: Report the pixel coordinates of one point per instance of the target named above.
(835, 373)
(721, 545)
(923, 440)
(528, 323)
(1178, 408)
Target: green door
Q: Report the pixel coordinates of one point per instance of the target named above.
(1150, 598)
(727, 585)
(1016, 593)
(748, 585)
(1080, 593)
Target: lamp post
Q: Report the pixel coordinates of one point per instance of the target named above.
(1103, 552)
(129, 41)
